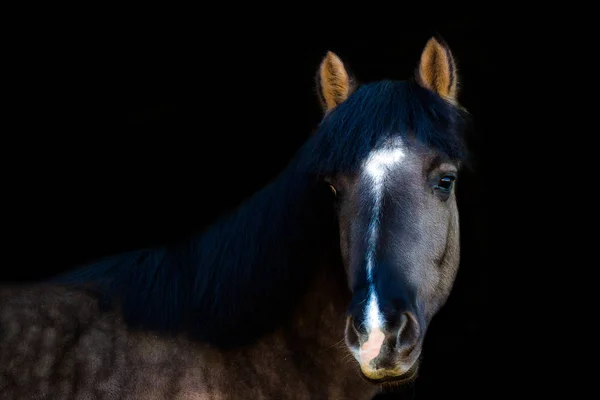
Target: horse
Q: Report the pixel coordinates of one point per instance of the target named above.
(319, 286)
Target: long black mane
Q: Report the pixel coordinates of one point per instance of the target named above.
(243, 274)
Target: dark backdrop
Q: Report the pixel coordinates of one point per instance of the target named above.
(139, 133)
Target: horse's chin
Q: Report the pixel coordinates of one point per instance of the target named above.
(406, 377)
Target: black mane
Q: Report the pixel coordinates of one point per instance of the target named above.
(380, 110)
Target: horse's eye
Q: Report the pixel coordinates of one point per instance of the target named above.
(333, 189)
(446, 182)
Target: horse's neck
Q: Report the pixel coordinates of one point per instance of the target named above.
(321, 314)
(309, 353)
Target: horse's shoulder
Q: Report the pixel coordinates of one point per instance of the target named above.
(46, 305)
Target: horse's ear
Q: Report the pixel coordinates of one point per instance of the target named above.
(437, 69)
(334, 82)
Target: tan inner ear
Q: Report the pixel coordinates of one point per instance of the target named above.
(334, 80)
(437, 70)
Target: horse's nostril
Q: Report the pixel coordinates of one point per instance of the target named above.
(352, 335)
(408, 334)
(357, 325)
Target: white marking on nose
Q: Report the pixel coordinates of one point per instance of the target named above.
(377, 165)
(374, 318)
(371, 348)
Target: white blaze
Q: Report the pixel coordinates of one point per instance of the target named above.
(380, 161)
(374, 318)
(376, 167)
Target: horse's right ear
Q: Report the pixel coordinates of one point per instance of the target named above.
(437, 69)
(334, 82)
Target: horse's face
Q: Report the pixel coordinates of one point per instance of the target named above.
(399, 239)
(399, 233)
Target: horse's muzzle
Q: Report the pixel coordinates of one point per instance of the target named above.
(386, 354)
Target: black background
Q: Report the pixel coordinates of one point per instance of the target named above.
(139, 132)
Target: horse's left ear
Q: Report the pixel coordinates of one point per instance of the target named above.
(437, 69)
(334, 82)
